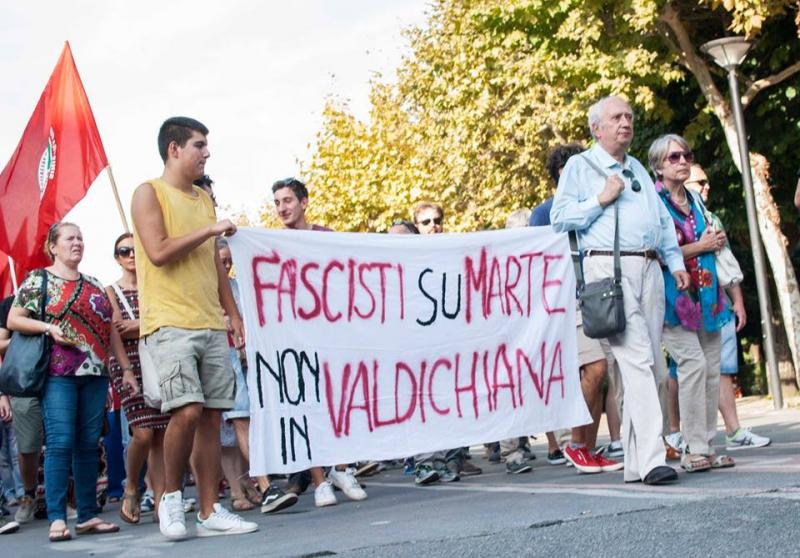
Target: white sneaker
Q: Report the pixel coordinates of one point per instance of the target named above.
(744, 438)
(25, 510)
(223, 522)
(171, 520)
(347, 483)
(324, 496)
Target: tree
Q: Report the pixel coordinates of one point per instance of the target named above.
(491, 86)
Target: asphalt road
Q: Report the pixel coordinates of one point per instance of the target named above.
(750, 510)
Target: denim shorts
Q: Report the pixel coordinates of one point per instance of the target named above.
(241, 405)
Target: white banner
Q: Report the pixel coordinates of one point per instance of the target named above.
(375, 346)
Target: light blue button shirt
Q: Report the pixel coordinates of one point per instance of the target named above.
(644, 222)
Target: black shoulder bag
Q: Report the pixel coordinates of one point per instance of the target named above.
(600, 302)
(27, 360)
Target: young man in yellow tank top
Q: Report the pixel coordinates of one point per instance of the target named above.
(183, 289)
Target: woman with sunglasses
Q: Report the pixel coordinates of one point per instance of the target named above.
(147, 424)
(694, 317)
(77, 316)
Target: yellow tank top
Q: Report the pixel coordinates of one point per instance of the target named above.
(184, 293)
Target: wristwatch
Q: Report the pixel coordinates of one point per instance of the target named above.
(47, 330)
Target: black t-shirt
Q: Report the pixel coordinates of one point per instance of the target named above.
(5, 308)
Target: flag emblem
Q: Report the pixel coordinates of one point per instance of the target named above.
(47, 163)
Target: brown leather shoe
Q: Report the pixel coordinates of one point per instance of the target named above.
(467, 469)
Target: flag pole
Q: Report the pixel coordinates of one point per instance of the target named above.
(13, 275)
(116, 198)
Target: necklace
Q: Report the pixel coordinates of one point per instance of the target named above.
(683, 203)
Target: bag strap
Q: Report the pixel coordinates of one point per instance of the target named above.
(123, 300)
(577, 255)
(577, 261)
(43, 314)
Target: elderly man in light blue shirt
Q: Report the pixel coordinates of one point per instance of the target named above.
(584, 202)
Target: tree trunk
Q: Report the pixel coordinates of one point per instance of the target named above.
(775, 247)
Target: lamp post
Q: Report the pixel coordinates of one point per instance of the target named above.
(729, 53)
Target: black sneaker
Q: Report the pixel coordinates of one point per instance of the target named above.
(276, 499)
(556, 457)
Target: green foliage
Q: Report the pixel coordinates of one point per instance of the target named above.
(491, 86)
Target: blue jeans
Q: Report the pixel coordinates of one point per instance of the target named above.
(73, 410)
(9, 465)
(114, 454)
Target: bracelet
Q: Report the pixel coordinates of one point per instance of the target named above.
(129, 367)
(47, 330)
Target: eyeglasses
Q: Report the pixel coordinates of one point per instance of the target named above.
(675, 157)
(635, 186)
(426, 222)
(124, 251)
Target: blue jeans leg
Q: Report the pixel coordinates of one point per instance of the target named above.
(9, 464)
(91, 411)
(114, 454)
(73, 410)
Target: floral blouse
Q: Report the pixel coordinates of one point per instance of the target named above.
(82, 311)
(704, 304)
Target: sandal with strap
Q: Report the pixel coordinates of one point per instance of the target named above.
(133, 503)
(693, 463)
(96, 526)
(721, 461)
(242, 504)
(59, 531)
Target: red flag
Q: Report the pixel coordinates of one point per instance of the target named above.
(57, 159)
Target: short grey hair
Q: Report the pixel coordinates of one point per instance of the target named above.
(596, 111)
(659, 149)
(518, 218)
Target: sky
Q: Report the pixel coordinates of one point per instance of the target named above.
(256, 73)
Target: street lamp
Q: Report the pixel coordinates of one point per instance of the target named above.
(729, 53)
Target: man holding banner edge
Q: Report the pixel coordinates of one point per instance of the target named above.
(183, 290)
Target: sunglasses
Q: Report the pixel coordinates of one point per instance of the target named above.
(675, 157)
(635, 186)
(124, 252)
(702, 183)
(436, 220)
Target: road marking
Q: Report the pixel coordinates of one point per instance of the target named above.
(376, 523)
(636, 493)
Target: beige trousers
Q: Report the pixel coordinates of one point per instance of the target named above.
(635, 351)
(698, 356)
